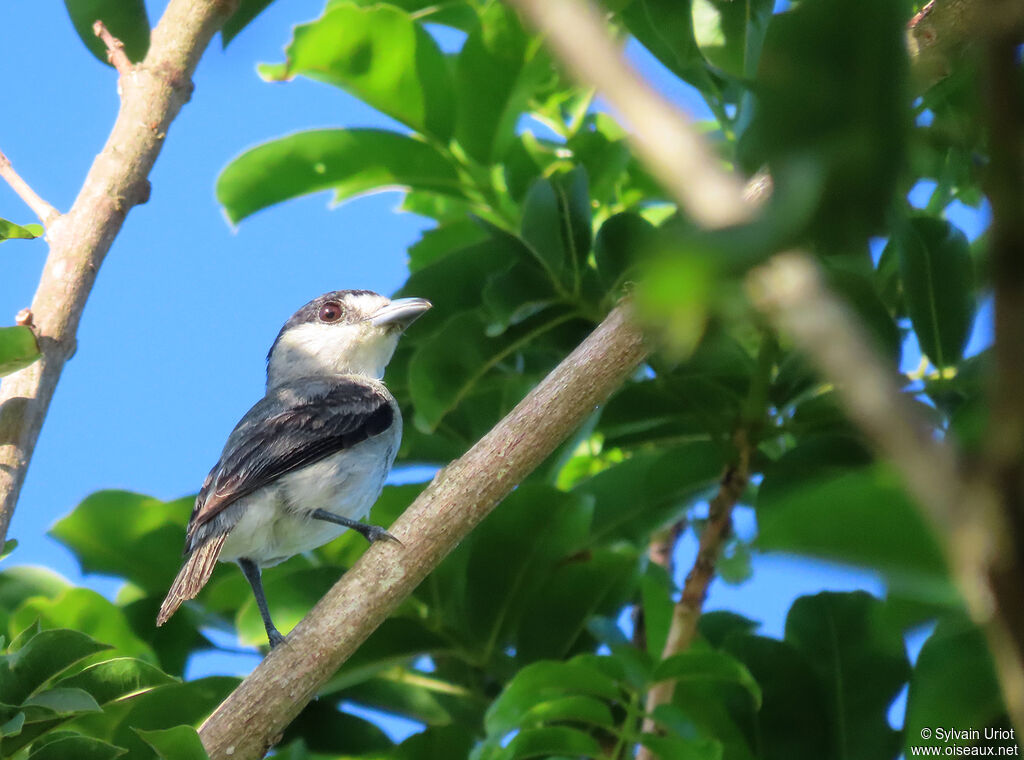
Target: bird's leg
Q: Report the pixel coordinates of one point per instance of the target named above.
(370, 532)
(251, 571)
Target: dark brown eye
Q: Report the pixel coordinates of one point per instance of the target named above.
(330, 312)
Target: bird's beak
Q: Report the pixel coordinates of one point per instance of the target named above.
(402, 312)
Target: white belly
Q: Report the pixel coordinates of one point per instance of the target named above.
(275, 524)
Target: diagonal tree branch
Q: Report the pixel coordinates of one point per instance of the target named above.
(252, 718)
(47, 214)
(152, 93)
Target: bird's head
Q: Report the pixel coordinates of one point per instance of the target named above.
(350, 332)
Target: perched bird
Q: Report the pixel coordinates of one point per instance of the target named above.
(310, 458)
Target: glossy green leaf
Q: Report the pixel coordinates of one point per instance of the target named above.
(953, 686)
(18, 349)
(247, 11)
(116, 679)
(647, 490)
(729, 33)
(556, 615)
(381, 55)
(680, 748)
(125, 19)
(812, 503)
(450, 363)
(543, 682)
(623, 241)
(63, 700)
(937, 277)
(44, 656)
(349, 161)
(178, 743)
(516, 294)
(707, 666)
(666, 29)
(794, 719)
(487, 79)
(551, 740)
(19, 583)
(175, 704)
(861, 662)
(84, 610)
(77, 748)
(832, 112)
(128, 535)
(556, 222)
(434, 244)
(10, 230)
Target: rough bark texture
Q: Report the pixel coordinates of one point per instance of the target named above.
(152, 93)
(253, 717)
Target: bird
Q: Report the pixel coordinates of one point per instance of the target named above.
(310, 458)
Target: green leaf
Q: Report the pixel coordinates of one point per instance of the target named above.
(45, 655)
(241, 18)
(832, 112)
(707, 666)
(937, 278)
(489, 74)
(117, 679)
(730, 33)
(954, 684)
(327, 730)
(171, 705)
(649, 489)
(76, 748)
(556, 222)
(86, 611)
(575, 709)
(861, 663)
(178, 743)
(125, 19)
(127, 535)
(552, 740)
(681, 748)
(622, 241)
(63, 701)
(18, 349)
(861, 296)
(448, 365)
(544, 682)
(382, 56)
(349, 161)
(869, 520)
(9, 546)
(666, 29)
(10, 230)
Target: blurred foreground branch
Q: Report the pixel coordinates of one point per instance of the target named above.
(152, 93)
(980, 521)
(252, 718)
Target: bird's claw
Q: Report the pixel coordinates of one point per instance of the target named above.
(376, 533)
(275, 637)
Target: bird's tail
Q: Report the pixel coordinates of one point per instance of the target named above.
(192, 577)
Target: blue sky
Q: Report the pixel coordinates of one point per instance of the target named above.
(172, 343)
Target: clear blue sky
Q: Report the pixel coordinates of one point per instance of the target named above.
(172, 344)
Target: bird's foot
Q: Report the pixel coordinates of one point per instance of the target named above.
(275, 637)
(376, 533)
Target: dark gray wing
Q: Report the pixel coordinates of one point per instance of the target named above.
(288, 430)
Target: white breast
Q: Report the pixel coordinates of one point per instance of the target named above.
(274, 523)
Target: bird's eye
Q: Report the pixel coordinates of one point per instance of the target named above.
(330, 312)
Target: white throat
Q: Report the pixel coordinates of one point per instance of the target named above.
(318, 350)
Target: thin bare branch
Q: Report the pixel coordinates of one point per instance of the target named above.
(152, 94)
(115, 49)
(251, 719)
(687, 611)
(47, 214)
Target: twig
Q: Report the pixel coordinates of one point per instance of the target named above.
(672, 150)
(115, 49)
(659, 551)
(687, 611)
(80, 239)
(248, 722)
(47, 214)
